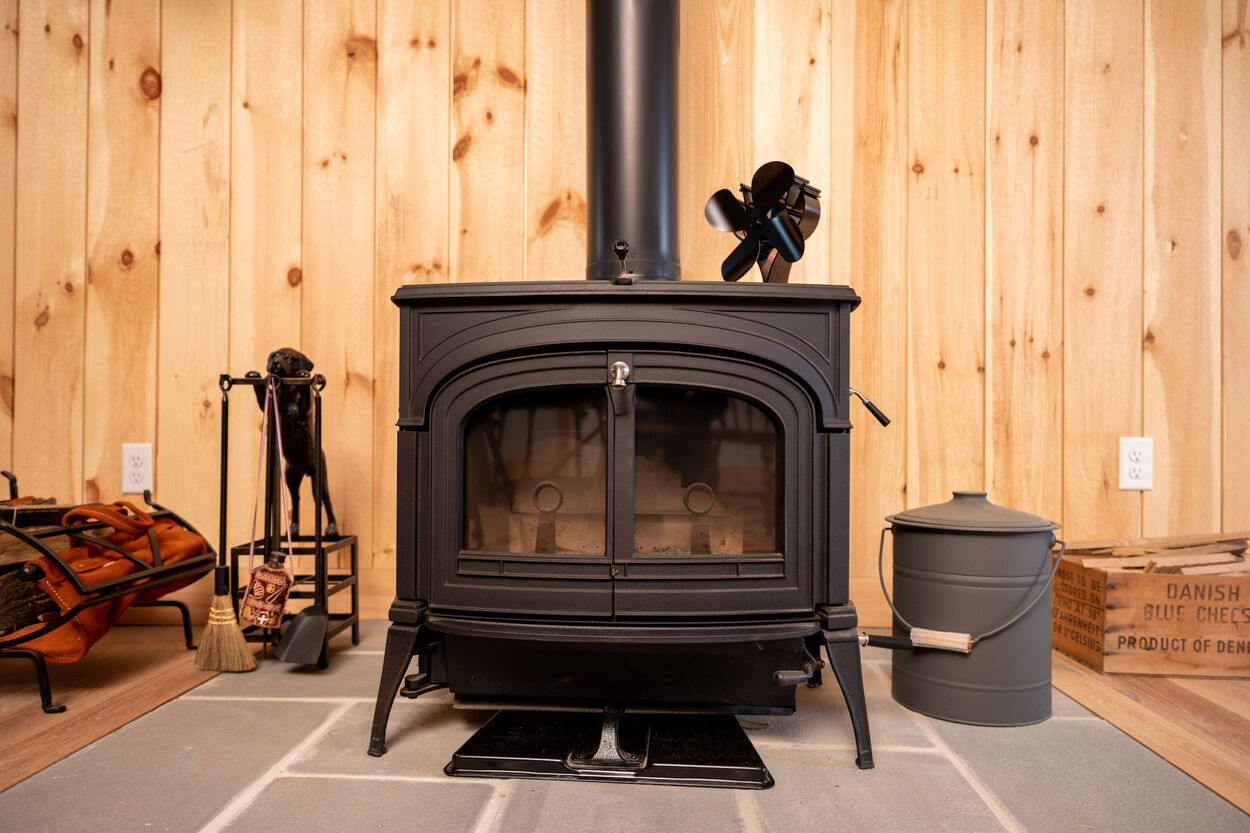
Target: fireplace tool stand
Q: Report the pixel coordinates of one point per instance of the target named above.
(319, 585)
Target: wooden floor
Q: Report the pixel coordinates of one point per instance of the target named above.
(1199, 725)
(129, 672)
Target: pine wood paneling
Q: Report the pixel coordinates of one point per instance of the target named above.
(946, 249)
(340, 87)
(266, 159)
(195, 259)
(838, 194)
(555, 140)
(792, 108)
(1235, 248)
(8, 222)
(123, 169)
(878, 271)
(1024, 256)
(314, 156)
(266, 269)
(50, 251)
(488, 141)
(1102, 263)
(715, 142)
(413, 133)
(1181, 242)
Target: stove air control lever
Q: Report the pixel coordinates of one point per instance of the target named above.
(873, 409)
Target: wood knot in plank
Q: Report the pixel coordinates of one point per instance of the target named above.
(294, 276)
(569, 207)
(150, 84)
(509, 77)
(1033, 140)
(1089, 290)
(1102, 209)
(941, 365)
(78, 42)
(360, 379)
(42, 318)
(1150, 336)
(461, 147)
(362, 48)
(918, 168)
(127, 258)
(1233, 240)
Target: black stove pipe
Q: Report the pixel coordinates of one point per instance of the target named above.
(631, 104)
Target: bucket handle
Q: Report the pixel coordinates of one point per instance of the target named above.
(974, 640)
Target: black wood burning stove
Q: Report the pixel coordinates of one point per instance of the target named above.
(622, 493)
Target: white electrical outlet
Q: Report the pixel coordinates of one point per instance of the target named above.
(1137, 463)
(136, 468)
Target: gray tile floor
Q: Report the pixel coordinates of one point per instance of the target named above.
(282, 749)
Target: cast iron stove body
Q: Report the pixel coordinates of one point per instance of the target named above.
(628, 494)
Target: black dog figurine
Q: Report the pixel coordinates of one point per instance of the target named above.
(298, 447)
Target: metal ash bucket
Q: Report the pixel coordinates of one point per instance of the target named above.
(979, 572)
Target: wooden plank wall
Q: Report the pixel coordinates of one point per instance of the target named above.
(1043, 205)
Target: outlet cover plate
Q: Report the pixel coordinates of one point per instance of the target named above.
(136, 468)
(1137, 463)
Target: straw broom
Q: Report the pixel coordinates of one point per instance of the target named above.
(222, 645)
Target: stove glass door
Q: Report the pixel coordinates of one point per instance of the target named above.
(705, 475)
(536, 472)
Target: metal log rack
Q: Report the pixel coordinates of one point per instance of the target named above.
(320, 584)
(148, 577)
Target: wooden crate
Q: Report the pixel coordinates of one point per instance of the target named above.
(1126, 607)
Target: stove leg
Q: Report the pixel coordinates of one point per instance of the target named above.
(842, 646)
(401, 644)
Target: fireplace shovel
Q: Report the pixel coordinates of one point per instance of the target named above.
(304, 640)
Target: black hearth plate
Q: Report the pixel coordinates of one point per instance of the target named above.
(681, 750)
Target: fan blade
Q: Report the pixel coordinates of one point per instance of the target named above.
(741, 258)
(770, 184)
(811, 215)
(725, 213)
(775, 268)
(785, 235)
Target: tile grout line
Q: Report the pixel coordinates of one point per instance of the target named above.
(749, 812)
(362, 776)
(245, 797)
(843, 747)
(494, 806)
(258, 698)
(1004, 816)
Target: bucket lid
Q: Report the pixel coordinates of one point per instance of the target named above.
(971, 512)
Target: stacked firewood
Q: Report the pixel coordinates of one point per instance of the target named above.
(1193, 555)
